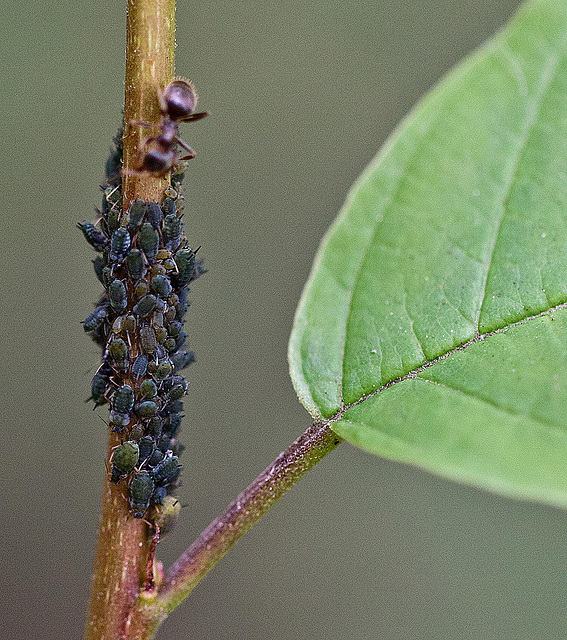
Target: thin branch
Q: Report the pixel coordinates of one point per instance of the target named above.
(123, 543)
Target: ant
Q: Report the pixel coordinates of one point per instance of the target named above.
(177, 104)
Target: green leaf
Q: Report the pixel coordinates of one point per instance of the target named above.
(431, 328)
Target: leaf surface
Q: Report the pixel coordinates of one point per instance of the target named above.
(420, 331)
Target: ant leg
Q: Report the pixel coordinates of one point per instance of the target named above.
(141, 123)
(187, 148)
(194, 116)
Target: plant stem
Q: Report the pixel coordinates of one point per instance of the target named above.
(123, 543)
(234, 522)
(150, 58)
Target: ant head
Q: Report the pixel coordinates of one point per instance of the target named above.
(180, 98)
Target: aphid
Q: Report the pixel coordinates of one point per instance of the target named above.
(136, 213)
(118, 421)
(164, 370)
(170, 345)
(162, 254)
(98, 266)
(185, 261)
(140, 367)
(174, 424)
(148, 389)
(130, 324)
(117, 295)
(170, 314)
(141, 289)
(119, 245)
(159, 495)
(147, 447)
(154, 214)
(146, 409)
(157, 270)
(124, 459)
(177, 104)
(119, 353)
(182, 359)
(155, 426)
(169, 264)
(141, 490)
(157, 319)
(112, 218)
(171, 233)
(107, 276)
(173, 407)
(93, 236)
(135, 264)
(174, 329)
(147, 339)
(96, 318)
(145, 306)
(111, 199)
(169, 206)
(170, 382)
(118, 325)
(100, 383)
(123, 399)
(156, 457)
(180, 339)
(161, 286)
(148, 240)
(137, 431)
(177, 392)
(166, 511)
(167, 471)
(161, 334)
(164, 443)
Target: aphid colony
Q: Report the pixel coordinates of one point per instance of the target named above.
(145, 265)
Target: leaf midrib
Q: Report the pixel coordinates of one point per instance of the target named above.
(413, 374)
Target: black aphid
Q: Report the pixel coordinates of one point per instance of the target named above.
(140, 492)
(119, 245)
(145, 306)
(140, 366)
(118, 296)
(123, 399)
(136, 213)
(148, 241)
(94, 236)
(167, 471)
(135, 264)
(95, 319)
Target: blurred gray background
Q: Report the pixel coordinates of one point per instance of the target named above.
(302, 96)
